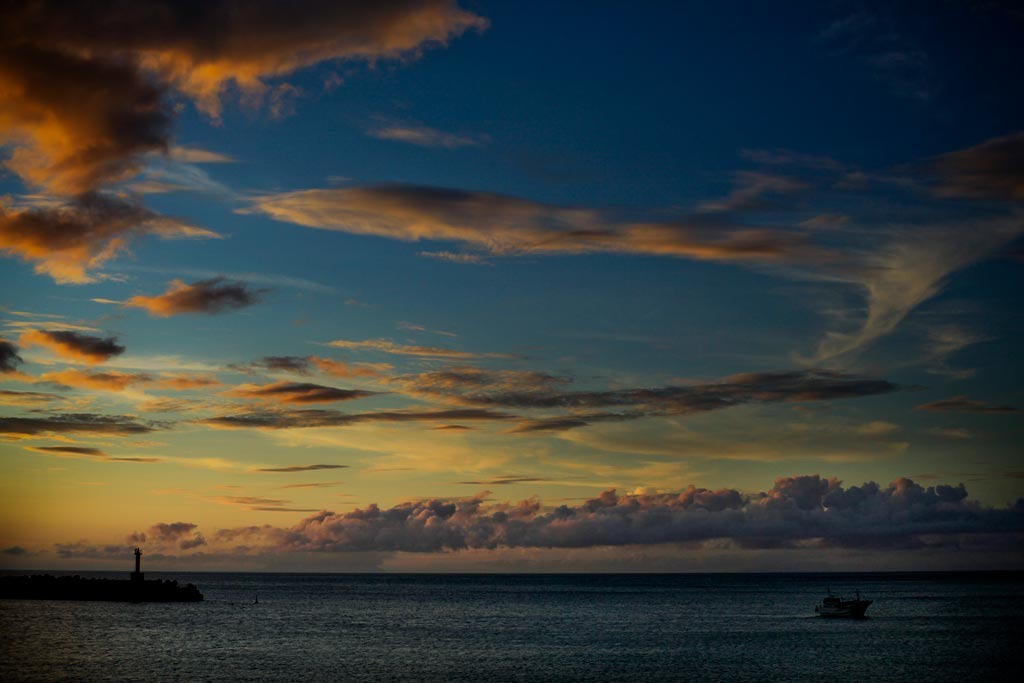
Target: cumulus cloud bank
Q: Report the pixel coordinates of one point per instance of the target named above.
(796, 510)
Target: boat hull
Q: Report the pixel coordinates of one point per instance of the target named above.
(853, 609)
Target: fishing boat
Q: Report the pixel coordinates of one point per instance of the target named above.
(837, 607)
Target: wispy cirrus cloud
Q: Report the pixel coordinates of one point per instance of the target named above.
(390, 347)
(962, 404)
(456, 257)
(910, 266)
(423, 136)
(756, 191)
(212, 296)
(74, 346)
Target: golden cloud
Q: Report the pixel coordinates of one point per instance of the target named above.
(508, 226)
(74, 346)
(206, 296)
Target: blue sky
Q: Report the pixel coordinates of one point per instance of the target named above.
(433, 259)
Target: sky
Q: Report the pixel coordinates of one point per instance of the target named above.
(437, 286)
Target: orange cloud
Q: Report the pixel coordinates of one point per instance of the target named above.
(186, 382)
(206, 296)
(337, 368)
(74, 346)
(993, 169)
(109, 380)
(297, 392)
(424, 136)
(507, 226)
(87, 93)
(386, 346)
(67, 240)
(85, 87)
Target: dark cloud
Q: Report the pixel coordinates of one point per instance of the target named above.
(9, 358)
(298, 392)
(311, 485)
(74, 423)
(297, 419)
(258, 504)
(469, 380)
(27, 398)
(962, 404)
(304, 365)
(74, 345)
(183, 534)
(89, 91)
(88, 452)
(194, 542)
(69, 450)
(14, 551)
(84, 122)
(794, 509)
(296, 365)
(540, 391)
(301, 468)
(171, 531)
(82, 550)
(212, 296)
(993, 169)
(67, 240)
(503, 481)
(562, 424)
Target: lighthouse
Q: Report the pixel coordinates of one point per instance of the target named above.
(137, 575)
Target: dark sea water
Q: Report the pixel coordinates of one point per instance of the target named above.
(357, 627)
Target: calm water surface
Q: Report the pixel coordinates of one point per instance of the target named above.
(922, 627)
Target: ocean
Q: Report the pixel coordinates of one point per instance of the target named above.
(595, 627)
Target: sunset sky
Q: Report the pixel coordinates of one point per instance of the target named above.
(425, 286)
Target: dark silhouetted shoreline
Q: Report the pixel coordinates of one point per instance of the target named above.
(49, 587)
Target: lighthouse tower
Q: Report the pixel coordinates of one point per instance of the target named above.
(137, 575)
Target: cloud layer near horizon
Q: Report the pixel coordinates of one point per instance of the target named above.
(795, 511)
